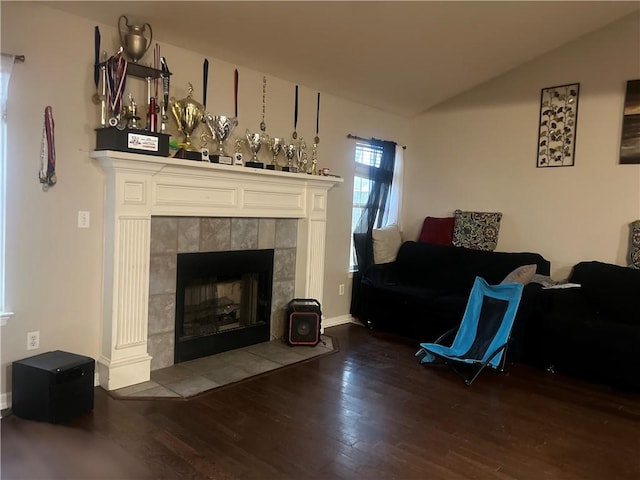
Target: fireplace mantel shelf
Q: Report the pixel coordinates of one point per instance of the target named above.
(138, 187)
(214, 168)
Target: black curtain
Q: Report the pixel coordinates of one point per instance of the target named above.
(372, 214)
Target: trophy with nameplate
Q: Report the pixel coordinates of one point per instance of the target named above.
(220, 128)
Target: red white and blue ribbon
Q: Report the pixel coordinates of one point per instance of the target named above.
(116, 80)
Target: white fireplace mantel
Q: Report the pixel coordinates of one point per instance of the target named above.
(138, 187)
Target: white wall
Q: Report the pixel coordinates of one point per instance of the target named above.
(478, 152)
(54, 270)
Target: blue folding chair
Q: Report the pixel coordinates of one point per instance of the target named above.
(484, 332)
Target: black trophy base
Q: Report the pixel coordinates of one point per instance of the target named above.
(188, 154)
(271, 167)
(222, 159)
(288, 169)
(254, 164)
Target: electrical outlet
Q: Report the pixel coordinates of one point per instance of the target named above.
(341, 289)
(84, 219)
(33, 340)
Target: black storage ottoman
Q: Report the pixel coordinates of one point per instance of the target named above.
(53, 387)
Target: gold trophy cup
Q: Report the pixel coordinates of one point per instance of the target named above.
(188, 114)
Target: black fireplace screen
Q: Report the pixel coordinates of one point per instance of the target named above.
(223, 301)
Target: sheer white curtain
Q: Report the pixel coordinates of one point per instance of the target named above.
(393, 212)
(5, 74)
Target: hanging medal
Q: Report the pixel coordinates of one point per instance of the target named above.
(294, 135)
(263, 125)
(316, 141)
(47, 174)
(235, 92)
(116, 76)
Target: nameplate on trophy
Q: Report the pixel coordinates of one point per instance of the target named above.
(222, 159)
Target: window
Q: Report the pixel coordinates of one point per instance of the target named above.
(366, 156)
(369, 168)
(5, 74)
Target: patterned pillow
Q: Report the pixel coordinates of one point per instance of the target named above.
(635, 244)
(477, 230)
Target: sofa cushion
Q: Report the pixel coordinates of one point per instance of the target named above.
(386, 242)
(437, 230)
(476, 230)
(611, 290)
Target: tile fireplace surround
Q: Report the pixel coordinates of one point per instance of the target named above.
(138, 187)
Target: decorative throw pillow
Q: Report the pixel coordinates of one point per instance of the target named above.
(386, 243)
(523, 274)
(437, 230)
(635, 244)
(477, 230)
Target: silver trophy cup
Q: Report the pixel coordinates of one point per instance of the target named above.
(220, 127)
(275, 147)
(289, 150)
(254, 140)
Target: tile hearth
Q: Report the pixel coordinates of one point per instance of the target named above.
(191, 378)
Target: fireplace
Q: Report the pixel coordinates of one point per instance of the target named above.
(139, 187)
(223, 301)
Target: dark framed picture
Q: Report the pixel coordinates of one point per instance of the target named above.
(558, 122)
(630, 141)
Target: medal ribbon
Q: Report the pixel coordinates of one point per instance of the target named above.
(295, 111)
(117, 76)
(318, 116)
(235, 91)
(48, 172)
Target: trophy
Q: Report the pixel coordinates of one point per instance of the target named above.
(130, 113)
(275, 147)
(220, 128)
(237, 152)
(254, 140)
(289, 150)
(188, 114)
(301, 153)
(133, 40)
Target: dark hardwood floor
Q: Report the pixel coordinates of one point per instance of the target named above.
(369, 411)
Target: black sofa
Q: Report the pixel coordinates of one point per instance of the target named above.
(424, 292)
(593, 331)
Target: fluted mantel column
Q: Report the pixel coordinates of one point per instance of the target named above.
(140, 186)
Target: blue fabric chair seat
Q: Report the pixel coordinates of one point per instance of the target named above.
(484, 332)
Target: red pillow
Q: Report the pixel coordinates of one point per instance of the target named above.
(437, 230)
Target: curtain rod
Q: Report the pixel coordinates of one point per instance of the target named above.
(16, 58)
(355, 137)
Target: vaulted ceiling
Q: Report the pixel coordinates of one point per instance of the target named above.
(401, 57)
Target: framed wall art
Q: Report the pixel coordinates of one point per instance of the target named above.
(558, 121)
(630, 142)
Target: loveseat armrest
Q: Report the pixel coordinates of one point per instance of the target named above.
(610, 290)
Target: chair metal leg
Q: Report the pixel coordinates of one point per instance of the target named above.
(469, 381)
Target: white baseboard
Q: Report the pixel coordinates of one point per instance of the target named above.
(335, 321)
(5, 401)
